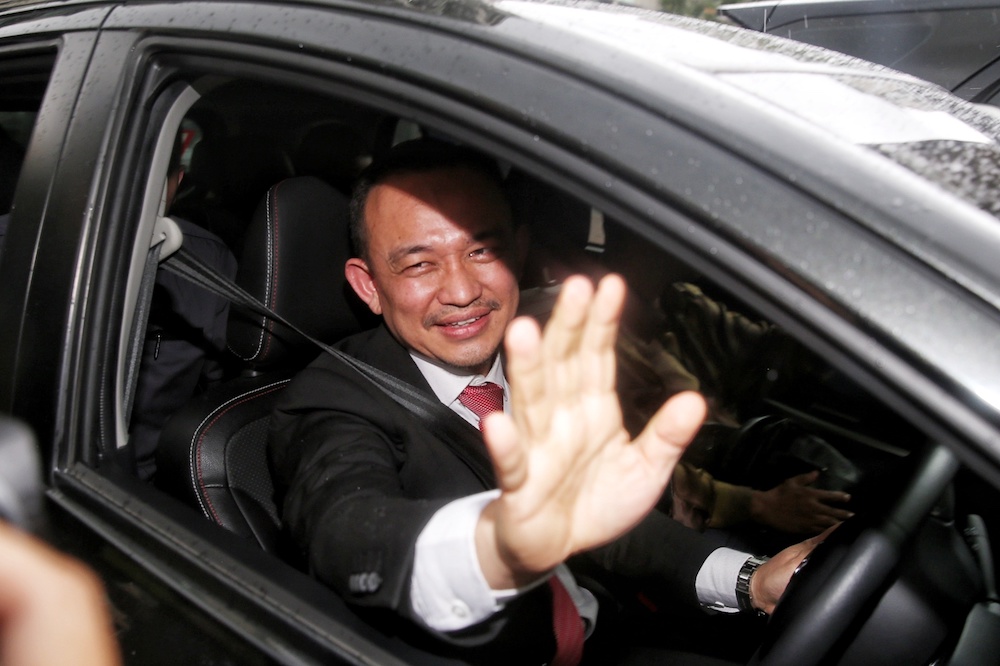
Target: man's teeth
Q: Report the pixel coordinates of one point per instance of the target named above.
(465, 322)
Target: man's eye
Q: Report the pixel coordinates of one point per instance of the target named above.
(483, 252)
(418, 267)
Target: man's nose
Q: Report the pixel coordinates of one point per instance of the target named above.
(460, 285)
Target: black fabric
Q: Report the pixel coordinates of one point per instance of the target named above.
(4, 223)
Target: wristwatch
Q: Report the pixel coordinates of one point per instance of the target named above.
(743, 598)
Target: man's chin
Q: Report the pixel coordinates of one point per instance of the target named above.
(475, 361)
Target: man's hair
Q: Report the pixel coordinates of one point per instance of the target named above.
(415, 156)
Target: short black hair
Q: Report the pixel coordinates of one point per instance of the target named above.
(414, 156)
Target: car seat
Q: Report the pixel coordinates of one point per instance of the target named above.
(212, 454)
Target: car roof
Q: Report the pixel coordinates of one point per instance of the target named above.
(811, 110)
(831, 132)
(810, 106)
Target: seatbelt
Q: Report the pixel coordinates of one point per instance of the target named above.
(436, 415)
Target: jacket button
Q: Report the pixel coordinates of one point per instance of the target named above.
(365, 583)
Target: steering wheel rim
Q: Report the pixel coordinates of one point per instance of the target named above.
(847, 574)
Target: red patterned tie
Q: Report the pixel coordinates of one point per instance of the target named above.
(566, 623)
(482, 399)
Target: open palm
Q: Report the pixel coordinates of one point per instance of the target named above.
(570, 477)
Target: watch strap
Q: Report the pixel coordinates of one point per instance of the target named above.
(743, 596)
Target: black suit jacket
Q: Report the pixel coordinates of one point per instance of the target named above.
(358, 477)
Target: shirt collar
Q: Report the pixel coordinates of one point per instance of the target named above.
(447, 382)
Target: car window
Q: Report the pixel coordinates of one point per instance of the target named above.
(234, 149)
(239, 140)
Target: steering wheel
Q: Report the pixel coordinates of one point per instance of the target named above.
(850, 571)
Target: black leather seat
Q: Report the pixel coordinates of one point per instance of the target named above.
(212, 454)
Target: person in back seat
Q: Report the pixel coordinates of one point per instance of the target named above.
(185, 337)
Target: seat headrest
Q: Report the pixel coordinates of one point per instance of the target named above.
(293, 260)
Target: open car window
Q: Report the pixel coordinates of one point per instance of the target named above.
(237, 139)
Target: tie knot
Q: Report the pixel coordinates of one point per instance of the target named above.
(482, 399)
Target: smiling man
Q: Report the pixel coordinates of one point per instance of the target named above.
(448, 291)
(461, 527)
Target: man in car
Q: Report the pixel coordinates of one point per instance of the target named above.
(485, 548)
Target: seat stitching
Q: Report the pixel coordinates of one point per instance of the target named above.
(273, 256)
(201, 431)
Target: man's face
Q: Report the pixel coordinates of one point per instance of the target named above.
(442, 265)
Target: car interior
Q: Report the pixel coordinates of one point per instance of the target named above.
(268, 170)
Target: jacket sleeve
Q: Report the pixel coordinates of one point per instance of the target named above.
(337, 452)
(342, 497)
(660, 557)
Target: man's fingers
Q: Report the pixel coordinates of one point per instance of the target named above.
(672, 428)
(509, 458)
(805, 479)
(601, 331)
(837, 514)
(563, 330)
(562, 336)
(526, 375)
(828, 496)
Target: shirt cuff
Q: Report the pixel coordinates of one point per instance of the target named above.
(716, 581)
(448, 590)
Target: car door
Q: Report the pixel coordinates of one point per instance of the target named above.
(185, 587)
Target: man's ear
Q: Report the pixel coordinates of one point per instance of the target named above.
(360, 278)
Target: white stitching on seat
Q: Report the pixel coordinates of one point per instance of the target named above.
(192, 446)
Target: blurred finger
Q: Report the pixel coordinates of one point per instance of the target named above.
(829, 496)
(671, 429)
(838, 514)
(506, 451)
(526, 374)
(561, 338)
(600, 334)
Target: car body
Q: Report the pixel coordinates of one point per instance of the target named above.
(851, 206)
(952, 44)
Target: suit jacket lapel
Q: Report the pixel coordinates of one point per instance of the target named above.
(464, 439)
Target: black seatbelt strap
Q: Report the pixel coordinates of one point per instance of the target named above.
(437, 416)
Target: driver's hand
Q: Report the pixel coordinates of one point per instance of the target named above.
(795, 507)
(771, 578)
